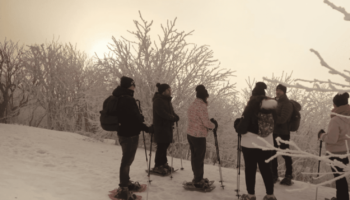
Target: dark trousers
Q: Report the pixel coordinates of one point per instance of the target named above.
(198, 148)
(287, 159)
(341, 184)
(252, 158)
(129, 147)
(161, 152)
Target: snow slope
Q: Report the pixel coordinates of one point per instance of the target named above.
(40, 164)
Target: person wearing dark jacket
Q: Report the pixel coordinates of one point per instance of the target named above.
(282, 122)
(163, 122)
(131, 124)
(255, 126)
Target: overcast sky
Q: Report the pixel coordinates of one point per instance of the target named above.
(253, 37)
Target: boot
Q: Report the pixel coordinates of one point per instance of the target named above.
(201, 184)
(287, 180)
(248, 197)
(166, 165)
(160, 170)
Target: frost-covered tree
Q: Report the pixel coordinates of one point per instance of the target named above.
(12, 93)
(172, 60)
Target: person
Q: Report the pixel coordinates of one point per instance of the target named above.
(163, 122)
(336, 141)
(197, 131)
(131, 124)
(257, 121)
(282, 120)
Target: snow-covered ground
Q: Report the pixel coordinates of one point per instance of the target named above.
(40, 164)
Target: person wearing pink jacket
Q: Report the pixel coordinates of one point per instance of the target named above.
(197, 131)
(337, 139)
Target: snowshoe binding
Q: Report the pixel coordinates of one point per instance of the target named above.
(202, 186)
(287, 181)
(123, 193)
(247, 197)
(136, 187)
(269, 197)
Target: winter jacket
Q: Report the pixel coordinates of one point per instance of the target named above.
(198, 119)
(338, 128)
(283, 115)
(257, 120)
(163, 118)
(129, 116)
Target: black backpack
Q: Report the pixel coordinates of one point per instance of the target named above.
(295, 119)
(109, 115)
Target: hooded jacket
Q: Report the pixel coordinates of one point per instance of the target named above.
(163, 118)
(129, 116)
(338, 128)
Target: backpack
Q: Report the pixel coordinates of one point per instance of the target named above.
(265, 124)
(109, 115)
(295, 118)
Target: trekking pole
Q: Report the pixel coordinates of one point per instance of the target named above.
(171, 168)
(178, 139)
(318, 170)
(217, 151)
(149, 166)
(238, 165)
(143, 134)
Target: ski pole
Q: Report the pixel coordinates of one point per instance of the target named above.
(143, 133)
(149, 166)
(171, 168)
(217, 151)
(178, 139)
(318, 170)
(238, 165)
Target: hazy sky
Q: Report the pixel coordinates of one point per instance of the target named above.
(256, 38)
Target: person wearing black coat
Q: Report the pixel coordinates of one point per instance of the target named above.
(255, 126)
(163, 122)
(131, 124)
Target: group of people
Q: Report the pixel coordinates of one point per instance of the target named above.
(263, 117)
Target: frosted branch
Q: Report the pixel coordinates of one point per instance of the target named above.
(338, 8)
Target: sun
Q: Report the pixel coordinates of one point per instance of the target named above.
(100, 47)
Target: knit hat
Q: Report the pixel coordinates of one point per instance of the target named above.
(341, 99)
(162, 87)
(126, 82)
(202, 93)
(281, 87)
(259, 89)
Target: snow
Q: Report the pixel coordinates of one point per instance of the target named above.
(41, 164)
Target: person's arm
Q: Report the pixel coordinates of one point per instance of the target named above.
(204, 117)
(332, 135)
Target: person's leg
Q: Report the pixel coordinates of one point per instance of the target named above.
(160, 158)
(341, 184)
(274, 162)
(287, 159)
(265, 170)
(129, 147)
(250, 162)
(198, 149)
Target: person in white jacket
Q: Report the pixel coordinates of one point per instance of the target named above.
(337, 139)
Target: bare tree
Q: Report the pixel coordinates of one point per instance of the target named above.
(11, 76)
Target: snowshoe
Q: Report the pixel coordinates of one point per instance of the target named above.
(247, 197)
(269, 197)
(198, 186)
(166, 166)
(205, 179)
(161, 172)
(136, 187)
(123, 193)
(287, 181)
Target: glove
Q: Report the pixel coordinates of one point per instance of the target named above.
(151, 129)
(320, 133)
(142, 118)
(235, 124)
(177, 118)
(214, 121)
(145, 128)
